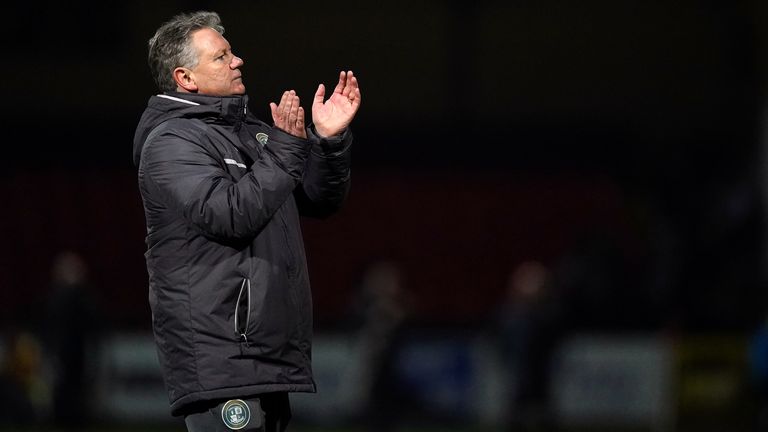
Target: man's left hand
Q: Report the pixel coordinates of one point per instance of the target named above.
(332, 117)
(289, 115)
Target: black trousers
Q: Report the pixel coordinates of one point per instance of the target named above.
(268, 412)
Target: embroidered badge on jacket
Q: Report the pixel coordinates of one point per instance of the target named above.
(262, 138)
(235, 414)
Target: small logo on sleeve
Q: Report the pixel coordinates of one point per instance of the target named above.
(235, 414)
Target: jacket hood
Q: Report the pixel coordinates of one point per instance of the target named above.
(171, 105)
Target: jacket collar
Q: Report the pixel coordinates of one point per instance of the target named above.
(231, 109)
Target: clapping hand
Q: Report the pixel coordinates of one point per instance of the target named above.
(331, 117)
(289, 115)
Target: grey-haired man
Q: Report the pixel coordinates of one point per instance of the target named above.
(222, 193)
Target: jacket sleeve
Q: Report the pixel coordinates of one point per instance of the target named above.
(326, 178)
(191, 180)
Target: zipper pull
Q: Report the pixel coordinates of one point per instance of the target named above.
(242, 332)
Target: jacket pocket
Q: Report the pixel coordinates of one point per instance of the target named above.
(243, 311)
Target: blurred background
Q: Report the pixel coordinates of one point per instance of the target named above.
(557, 219)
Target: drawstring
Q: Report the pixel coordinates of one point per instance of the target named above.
(242, 334)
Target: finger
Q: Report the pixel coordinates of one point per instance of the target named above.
(352, 80)
(300, 119)
(273, 108)
(347, 85)
(319, 95)
(293, 112)
(354, 90)
(357, 99)
(281, 106)
(342, 82)
(297, 103)
(288, 104)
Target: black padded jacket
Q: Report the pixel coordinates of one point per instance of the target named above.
(228, 285)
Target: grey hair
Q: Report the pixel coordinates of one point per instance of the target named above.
(170, 47)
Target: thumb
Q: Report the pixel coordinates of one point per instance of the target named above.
(273, 108)
(319, 94)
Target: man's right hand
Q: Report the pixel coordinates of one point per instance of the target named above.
(289, 115)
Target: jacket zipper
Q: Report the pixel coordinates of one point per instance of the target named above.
(242, 332)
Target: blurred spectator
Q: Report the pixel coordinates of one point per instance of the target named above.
(381, 316)
(71, 324)
(23, 394)
(529, 321)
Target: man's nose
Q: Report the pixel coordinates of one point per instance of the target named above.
(236, 62)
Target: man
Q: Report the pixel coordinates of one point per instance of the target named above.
(222, 192)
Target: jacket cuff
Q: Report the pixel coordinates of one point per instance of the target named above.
(289, 151)
(331, 146)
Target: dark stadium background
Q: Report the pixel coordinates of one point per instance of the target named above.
(624, 137)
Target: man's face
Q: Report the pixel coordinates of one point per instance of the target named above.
(218, 70)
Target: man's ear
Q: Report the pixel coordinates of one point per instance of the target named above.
(184, 80)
